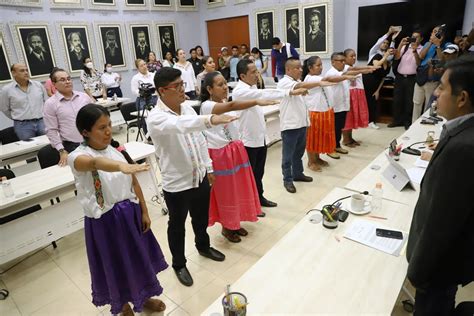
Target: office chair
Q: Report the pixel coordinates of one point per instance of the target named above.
(464, 309)
(8, 136)
(130, 120)
(48, 157)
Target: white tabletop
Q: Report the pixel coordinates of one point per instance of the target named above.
(270, 110)
(309, 272)
(138, 150)
(20, 148)
(109, 103)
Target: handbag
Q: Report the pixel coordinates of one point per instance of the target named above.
(422, 74)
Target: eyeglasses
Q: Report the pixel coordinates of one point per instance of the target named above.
(176, 86)
(63, 80)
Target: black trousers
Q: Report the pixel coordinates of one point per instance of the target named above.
(70, 146)
(339, 122)
(403, 99)
(257, 158)
(435, 301)
(372, 105)
(196, 201)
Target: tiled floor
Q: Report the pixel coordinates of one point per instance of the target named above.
(57, 281)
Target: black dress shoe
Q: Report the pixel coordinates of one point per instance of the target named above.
(267, 203)
(290, 187)
(184, 276)
(303, 178)
(394, 124)
(212, 254)
(263, 214)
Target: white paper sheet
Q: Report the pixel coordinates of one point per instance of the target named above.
(363, 232)
(416, 174)
(421, 163)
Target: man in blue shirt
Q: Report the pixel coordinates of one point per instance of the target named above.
(234, 60)
(432, 50)
(280, 53)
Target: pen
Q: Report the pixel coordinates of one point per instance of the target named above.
(377, 217)
(326, 213)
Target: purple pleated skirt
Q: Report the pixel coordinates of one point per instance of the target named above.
(123, 261)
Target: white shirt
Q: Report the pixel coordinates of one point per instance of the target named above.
(339, 92)
(139, 77)
(180, 146)
(110, 80)
(219, 136)
(252, 120)
(316, 100)
(116, 186)
(188, 76)
(293, 111)
(166, 63)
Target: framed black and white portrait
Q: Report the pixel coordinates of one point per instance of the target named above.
(163, 5)
(35, 44)
(67, 4)
(77, 45)
(22, 3)
(140, 39)
(111, 39)
(292, 26)
(186, 5)
(265, 28)
(167, 38)
(136, 5)
(5, 63)
(215, 3)
(315, 29)
(103, 5)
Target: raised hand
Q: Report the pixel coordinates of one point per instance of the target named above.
(299, 91)
(222, 119)
(130, 169)
(263, 102)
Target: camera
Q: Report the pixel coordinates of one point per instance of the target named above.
(411, 39)
(146, 90)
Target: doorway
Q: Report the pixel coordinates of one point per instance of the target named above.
(227, 32)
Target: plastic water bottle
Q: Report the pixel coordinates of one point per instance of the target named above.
(114, 97)
(377, 195)
(7, 187)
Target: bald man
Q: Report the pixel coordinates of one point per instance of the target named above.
(22, 101)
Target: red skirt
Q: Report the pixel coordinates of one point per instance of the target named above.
(358, 115)
(320, 137)
(234, 195)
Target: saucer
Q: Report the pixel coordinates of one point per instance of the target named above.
(366, 210)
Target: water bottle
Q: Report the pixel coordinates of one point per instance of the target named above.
(377, 195)
(114, 97)
(7, 188)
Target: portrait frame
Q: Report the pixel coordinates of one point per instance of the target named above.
(131, 26)
(286, 14)
(22, 3)
(242, 1)
(100, 30)
(5, 57)
(160, 28)
(186, 7)
(136, 7)
(265, 45)
(215, 3)
(19, 31)
(163, 7)
(64, 29)
(327, 22)
(67, 4)
(94, 5)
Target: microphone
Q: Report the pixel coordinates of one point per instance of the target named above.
(346, 197)
(122, 150)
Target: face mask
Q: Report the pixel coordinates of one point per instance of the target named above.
(89, 65)
(109, 69)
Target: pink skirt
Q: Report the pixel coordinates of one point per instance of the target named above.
(358, 115)
(234, 195)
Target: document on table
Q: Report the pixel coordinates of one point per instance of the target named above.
(421, 163)
(416, 174)
(363, 232)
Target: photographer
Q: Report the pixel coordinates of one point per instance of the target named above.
(141, 85)
(426, 84)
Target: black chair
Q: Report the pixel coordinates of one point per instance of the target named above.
(464, 309)
(130, 120)
(48, 157)
(8, 136)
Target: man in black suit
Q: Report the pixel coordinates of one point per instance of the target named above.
(113, 53)
(440, 247)
(39, 59)
(77, 51)
(315, 38)
(293, 31)
(265, 33)
(142, 49)
(167, 43)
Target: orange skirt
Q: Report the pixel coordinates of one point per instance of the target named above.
(320, 137)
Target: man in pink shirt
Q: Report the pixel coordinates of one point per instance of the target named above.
(59, 115)
(407, 53)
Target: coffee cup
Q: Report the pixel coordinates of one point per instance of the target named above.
(358, 203)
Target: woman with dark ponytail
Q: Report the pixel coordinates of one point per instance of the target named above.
(234, 195)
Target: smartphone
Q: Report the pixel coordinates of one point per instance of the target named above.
(388, 233)
(342, 215)
(397, 28)
(411, 40)
(28, 140)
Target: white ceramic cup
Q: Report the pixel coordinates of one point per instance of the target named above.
(358, 202)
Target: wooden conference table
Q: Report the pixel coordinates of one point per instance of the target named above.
(38, 229)
(310, 272)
